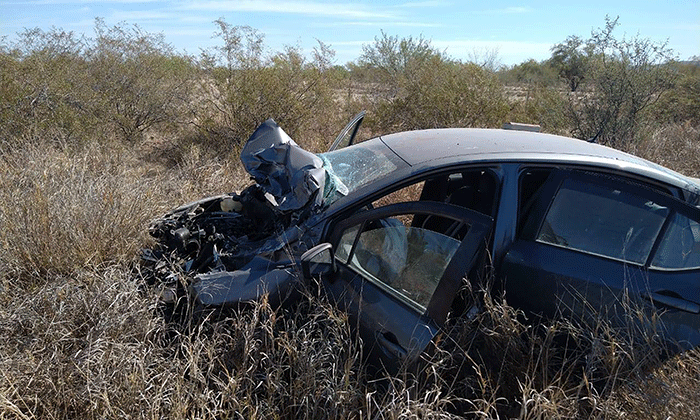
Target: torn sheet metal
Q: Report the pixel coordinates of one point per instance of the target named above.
(291, 176)
(234, 248)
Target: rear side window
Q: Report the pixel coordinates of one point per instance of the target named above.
(680, 246)
(603, 220)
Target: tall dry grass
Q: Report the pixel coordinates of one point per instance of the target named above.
(82, 337)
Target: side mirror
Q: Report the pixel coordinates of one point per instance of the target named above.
(318, 261)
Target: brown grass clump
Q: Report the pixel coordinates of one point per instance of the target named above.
(92, 346)
(675, 146)
(62, 210)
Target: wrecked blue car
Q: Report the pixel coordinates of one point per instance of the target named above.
(402, 228)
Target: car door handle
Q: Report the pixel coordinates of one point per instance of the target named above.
(390, 345)
(672, 302)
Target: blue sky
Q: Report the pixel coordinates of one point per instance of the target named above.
(515, 30)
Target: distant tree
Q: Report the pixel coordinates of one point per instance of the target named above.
(394, 59)
(623, 78)
(569, 58)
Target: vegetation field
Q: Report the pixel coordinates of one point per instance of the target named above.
(100, 135)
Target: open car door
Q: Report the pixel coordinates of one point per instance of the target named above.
(347, 136)
(398, 270)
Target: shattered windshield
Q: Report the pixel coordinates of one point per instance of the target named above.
(353, 167)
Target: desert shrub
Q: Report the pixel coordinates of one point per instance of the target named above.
(391, 62)
(59, 88)
(245, 85)
(422, 88)
(681, 103)
(137, 79)
(624, 78)
(447, 95)
(42, 92)
(529, 73)
(542, 105)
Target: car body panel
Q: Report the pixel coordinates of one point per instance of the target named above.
(347, 135)
(237, 247)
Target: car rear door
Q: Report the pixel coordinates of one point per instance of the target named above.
(594, 245)
(674, 276)
(399, 268)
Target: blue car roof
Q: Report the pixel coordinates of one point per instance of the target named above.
(423, 147)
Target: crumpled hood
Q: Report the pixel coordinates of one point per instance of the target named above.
(288, 174)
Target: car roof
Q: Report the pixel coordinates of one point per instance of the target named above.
(422, 147)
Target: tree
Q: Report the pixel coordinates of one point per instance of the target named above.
(570, 59)
(138, 80)
(394, 59)
(245, 85)
(623, 78)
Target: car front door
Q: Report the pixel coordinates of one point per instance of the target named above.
(399, 268)
(348, 134)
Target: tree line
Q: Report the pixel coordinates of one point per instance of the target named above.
(126, 84)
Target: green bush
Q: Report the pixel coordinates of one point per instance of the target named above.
(681, 103)
(530, 73)
(624, 78)
(58, 88)
(446, 94)
(422, 88)
(541, 105)
(137, 80)
(41, 89)
(244, 85)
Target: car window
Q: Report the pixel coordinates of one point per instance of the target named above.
(352, 167)
(474, 189)
(406, 258)
(680, 245)
(531, 183)
(604, 220)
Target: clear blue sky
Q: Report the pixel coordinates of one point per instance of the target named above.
(517, 30)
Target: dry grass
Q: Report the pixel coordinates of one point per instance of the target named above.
(81, 335)
(675, 146)
(82, 338)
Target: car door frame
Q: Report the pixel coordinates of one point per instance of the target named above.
(391, 344)
(350, 129)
